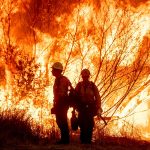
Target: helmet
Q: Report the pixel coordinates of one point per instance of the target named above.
(85, 72)
(57, 65)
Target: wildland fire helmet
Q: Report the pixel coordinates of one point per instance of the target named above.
(85, 72)
(57, 65)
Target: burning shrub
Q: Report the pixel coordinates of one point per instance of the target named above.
(107, 39)
(23, 66)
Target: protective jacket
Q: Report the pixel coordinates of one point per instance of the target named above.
(60, 89)
(88, 97)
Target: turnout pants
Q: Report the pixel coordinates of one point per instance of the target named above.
(86, 124)
(61, 120)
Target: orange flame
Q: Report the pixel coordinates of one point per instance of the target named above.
(90, 34)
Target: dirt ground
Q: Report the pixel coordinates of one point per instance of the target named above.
(73, 147)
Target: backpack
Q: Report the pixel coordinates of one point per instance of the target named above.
(90, 108)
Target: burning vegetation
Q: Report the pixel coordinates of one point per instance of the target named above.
(111, 39)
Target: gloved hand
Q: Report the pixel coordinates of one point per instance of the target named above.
(99, 112)
(53, 110)
(99, 115)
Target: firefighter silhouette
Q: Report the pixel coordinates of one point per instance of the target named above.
(61, 105)
(89, 105)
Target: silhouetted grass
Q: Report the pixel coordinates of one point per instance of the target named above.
(123, 141)
(16, 130)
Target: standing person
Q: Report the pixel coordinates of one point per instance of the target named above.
(89, 105)
(60, 89)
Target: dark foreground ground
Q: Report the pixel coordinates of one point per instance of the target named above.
(74, 147)
(109, 144)
(16, 134)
